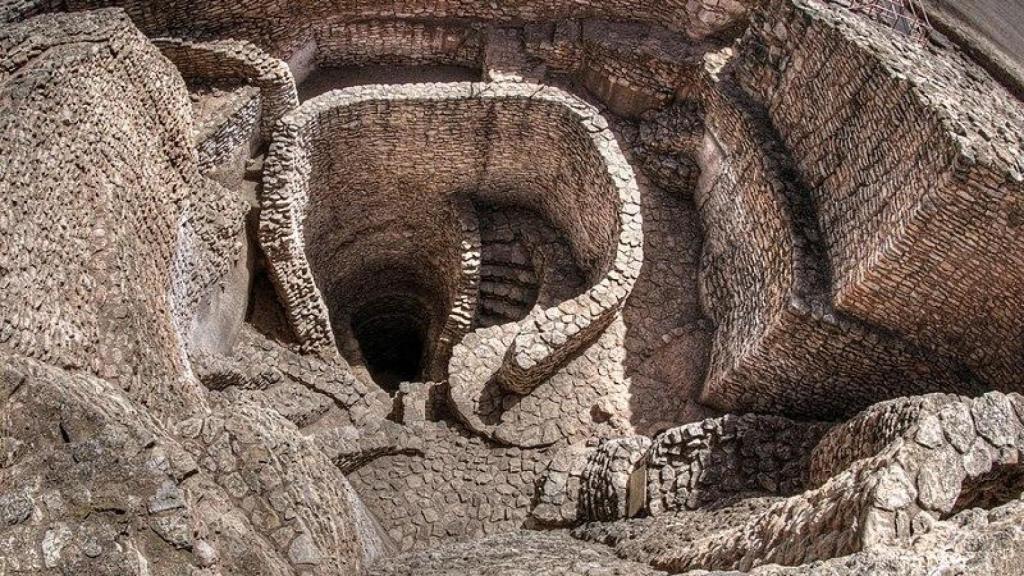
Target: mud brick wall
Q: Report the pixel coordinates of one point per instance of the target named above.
(913, 159)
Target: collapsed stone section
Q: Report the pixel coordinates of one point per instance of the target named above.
(924, 462)
(780, 345)
(912, 157)
(634, 68)
(346, 155)
(106, 261)
(683, 468)
(926, 473)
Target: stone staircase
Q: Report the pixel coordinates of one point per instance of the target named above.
(508, 281)
(524, 262)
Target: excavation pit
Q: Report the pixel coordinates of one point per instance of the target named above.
(372, 188)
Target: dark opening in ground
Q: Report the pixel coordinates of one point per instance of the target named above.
(327, 79)
(391, 333)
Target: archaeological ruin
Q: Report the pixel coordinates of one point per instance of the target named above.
(516, 287)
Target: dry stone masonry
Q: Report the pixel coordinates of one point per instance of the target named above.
(446, 287)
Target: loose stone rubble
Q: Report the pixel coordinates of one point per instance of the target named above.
(613, 287)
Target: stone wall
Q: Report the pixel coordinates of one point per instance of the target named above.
(943, 463)
(612, 480)
(228, 134)
(277, 24)
(684, 468)
(634, 54)
(463, 310)
(698, 464)
(912, 157)
(237, 60)
(780, 346)
(105, 261)
(340, 42)
(634, 68)
(868, 433)
(365, 138)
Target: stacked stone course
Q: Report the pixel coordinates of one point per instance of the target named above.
(142, 238)
(683, 468)
(237, 60)
(606, 242)
(276, 24)
(925, 474)
(912, 158)
(397, 42)
(486, 334)
(764, 280)
(705, 462)
(228, 134)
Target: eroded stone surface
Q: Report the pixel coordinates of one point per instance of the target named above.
(491, 327)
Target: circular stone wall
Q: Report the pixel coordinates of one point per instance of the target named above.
(366, 183)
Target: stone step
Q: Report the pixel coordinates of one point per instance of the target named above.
(507, 273)
(509, 312)
(509, 292)
(509, 254)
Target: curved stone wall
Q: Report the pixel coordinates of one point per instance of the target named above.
(937, 466)
(346, 159)
(220, 59)
(281, 23)
(512, 314)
